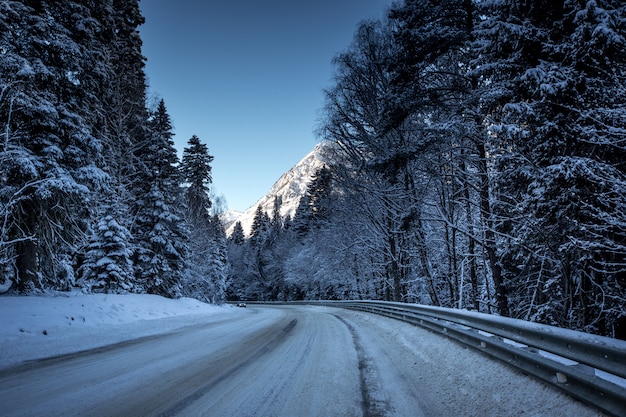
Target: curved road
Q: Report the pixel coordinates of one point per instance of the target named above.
(280, 361)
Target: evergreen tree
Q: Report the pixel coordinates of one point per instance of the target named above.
(160, 227)
(556, 99)
(108, 267)
(205, 278)
(260, 227)
(127, 94)
(50, 156)
(313, 208)
(218, 261)
(301, 223)
(429, 37)
(276, 222)
(237, 237)
(196, 171)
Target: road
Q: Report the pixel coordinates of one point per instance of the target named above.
(280, 361)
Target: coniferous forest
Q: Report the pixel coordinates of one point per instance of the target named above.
(477, 160)
(91, 188)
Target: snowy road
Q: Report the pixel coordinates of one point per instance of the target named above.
(281, 361)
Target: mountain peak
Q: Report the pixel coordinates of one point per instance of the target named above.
(290, 187)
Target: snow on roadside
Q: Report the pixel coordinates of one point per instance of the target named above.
(455, 380)
(45, 326)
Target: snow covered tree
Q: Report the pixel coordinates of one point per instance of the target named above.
(52, 153)
(260, 227)
(205, 278)
(108, 267)
(257, 263)
(160, 228)
(437, 88)
(313, 207)
(237, 236)
(554, 99)
(196, 172)
(276, 222)
(382, 153)
(426, 68)
(126, 94)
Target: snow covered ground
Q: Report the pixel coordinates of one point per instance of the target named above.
(46, 326)
(260, 360)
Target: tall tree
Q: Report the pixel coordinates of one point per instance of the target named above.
(205, 277)
(260, 227)
(50, 155)
(357, 119)
(196, 172)
(313, 208)
(237, 236)
(557, 104)
(433, 78)
(160, 227)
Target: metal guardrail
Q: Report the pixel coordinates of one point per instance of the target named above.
(588, 367)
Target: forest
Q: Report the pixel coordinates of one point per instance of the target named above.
(476, 160)
(92, 192)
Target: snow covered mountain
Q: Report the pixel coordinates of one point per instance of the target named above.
(290, 187)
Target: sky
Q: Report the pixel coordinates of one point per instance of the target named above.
(247, 77)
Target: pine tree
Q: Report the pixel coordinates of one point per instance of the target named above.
(108, 267)
(218, 261)
(314, 206)
(49, 143)
(276, 222)
(160, 227)
(128, 92)
(260, 227)
(206, 276)
(237, 237)
(196, 171)
(554, 101)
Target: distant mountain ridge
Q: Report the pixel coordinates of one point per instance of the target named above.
(290, 187)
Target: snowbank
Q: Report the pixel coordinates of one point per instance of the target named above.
(39, 327)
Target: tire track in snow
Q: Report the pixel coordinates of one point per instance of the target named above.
(262, 350)
(373, 402)
(277, 391)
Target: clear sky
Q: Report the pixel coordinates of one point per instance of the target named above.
(247, 78)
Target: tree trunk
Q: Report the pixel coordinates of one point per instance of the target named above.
(26, 251)
(471, 248)
(421, 245)
(395, 269)
(490, 240)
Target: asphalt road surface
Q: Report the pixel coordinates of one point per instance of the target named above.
(281, 361)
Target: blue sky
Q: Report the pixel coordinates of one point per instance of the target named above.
(247, 78)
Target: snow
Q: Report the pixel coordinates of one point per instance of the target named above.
(453, 380)
(45, 326)
(289, 187)
(414, 372)
(557, 358)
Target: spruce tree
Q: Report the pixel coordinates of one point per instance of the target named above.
(108, 266)
(554, 101)
(160, 228)
(195, 169)
(314, 206)
(237, 237)
(260, 227)
(50, 154)
(206, 275)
